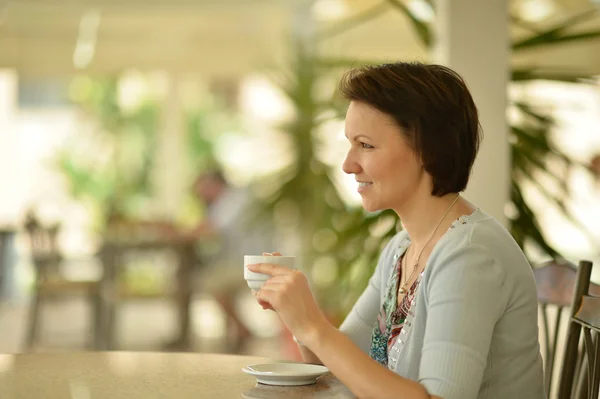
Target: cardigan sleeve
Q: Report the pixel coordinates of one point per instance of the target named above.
(465, 298)
(359, 323)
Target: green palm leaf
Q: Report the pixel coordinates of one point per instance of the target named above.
(557, 33)
(354, 21)
(420, 27)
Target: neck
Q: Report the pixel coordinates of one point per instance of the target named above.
(421, 214)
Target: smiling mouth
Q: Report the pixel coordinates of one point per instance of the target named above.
(363, 184)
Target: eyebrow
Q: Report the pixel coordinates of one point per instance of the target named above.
(358, 136)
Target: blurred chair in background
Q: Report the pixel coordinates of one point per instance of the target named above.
(555, 282)
(50, 283)
(4, 237)
(580, 374)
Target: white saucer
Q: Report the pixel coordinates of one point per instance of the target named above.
(287, 374)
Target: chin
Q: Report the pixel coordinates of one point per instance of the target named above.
(370, 207)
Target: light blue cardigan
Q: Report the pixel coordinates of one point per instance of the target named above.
(471, 332)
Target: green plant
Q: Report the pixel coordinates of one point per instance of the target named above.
(354, 239)
(110, 166)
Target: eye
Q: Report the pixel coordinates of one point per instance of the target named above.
(366, 146)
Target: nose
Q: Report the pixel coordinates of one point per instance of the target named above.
(350, 165)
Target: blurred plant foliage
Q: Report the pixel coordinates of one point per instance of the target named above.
(109, 165)
(340, 245)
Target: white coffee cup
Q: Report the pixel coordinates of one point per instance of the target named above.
(256, 280)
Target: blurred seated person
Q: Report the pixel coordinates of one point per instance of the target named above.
(227, 208)
(222, 273)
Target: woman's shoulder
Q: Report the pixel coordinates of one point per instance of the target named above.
(478, 230)
(483, 239)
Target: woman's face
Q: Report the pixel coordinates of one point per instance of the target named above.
(386, 168)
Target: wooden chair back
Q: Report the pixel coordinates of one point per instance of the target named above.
(580, 374)
(44, 249)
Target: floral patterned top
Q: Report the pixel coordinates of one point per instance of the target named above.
(391, 316)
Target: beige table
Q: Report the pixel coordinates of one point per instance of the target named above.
(132, 375)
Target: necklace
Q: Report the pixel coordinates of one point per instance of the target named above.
(402, 289)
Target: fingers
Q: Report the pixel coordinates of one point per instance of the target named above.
(278, 287)
(280, 279)
(274, 291)
(267, 268)
(288, 279)
(264, 304)
(267, 296)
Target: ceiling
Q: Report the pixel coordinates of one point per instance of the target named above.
(215, 37)
(42, 38)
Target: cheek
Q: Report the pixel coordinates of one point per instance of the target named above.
(401, 172)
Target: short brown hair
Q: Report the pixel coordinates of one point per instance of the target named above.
(433, 106)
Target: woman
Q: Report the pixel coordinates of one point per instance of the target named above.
(451, 310)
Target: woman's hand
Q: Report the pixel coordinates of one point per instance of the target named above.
(265, 305)
(287, 292)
